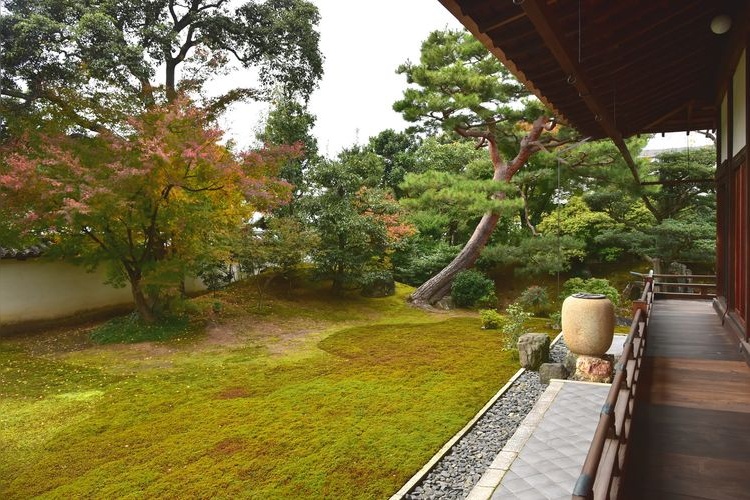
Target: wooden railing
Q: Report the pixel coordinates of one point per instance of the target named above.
(676, 286)
(672, 286)
(602, 470)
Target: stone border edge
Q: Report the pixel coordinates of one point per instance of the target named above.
(421, 473)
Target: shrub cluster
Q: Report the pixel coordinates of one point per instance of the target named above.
(491, 319)
(591, 285)
(470, 287)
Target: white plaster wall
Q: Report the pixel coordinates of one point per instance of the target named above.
(739, 105)
(724, 128)
(36, 290)
(33, 290)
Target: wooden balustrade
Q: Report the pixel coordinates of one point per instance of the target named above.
(673, 286)
(602, 469)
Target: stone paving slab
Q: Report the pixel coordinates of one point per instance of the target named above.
(544, 457)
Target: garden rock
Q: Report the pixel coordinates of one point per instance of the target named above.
(594, 369)
(381, 287)
(549, 371)
(533, 350)
(445, 303)
(570, 362)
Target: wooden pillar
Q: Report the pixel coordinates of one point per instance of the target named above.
(747, 185)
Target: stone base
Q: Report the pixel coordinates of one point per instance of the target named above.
(548, 371)
(594, 369)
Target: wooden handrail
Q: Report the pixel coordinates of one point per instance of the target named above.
(666, 288)
(602, 469)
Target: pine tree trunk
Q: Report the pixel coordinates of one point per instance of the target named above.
(439, 285)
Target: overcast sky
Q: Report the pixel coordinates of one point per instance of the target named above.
(363, 43)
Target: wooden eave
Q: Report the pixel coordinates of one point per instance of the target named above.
(613, 69)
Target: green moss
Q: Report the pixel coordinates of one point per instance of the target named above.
(368, 393)
(130, 329)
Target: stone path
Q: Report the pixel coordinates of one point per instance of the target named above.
(458, 473)
(544, 457)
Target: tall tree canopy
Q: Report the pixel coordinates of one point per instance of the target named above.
(91, 64)
(462, 89)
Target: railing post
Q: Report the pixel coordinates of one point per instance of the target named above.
(641, 305)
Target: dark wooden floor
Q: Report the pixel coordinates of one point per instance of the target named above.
(691, 434)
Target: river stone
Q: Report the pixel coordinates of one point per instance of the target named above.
(533, 350)
(594, 369)
(549, 371)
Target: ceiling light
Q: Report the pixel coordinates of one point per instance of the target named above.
(721, 24)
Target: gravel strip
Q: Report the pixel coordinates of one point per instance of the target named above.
(461, 468)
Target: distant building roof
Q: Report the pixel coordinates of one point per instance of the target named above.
(653, 153)
(22, 253)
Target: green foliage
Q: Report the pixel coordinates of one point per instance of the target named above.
(378, 283)
(536, 299)
(555, 320)
(396, 149)
(591, 285)
(417, 259)
(448, 206)
(480, 87)
(578, 221)
(358, 224)
(514, 325)
(491, 319)
(131, 329)
(469, 287)
(676, 196)
(289, 122)
(92, 65)
(488, 301)
(545, 254)
(688, 239)
(215, 275)
(452, 156)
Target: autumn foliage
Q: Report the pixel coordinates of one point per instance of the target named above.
(152, 201)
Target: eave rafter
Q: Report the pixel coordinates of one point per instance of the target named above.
(551, 34)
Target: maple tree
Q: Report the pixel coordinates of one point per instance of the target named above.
(152, 204)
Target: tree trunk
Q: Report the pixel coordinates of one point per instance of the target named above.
(439, 285)
(145, 311)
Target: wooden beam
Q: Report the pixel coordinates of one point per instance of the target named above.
(540, 16)
(680, 181)
(493, 25)
(664, 117)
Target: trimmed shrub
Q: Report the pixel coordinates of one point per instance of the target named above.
(591, 285)
(469, 287)
(491, 319)
(489, 301)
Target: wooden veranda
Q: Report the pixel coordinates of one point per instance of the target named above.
(689, 431)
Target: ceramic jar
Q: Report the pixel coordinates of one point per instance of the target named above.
(588, 323)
